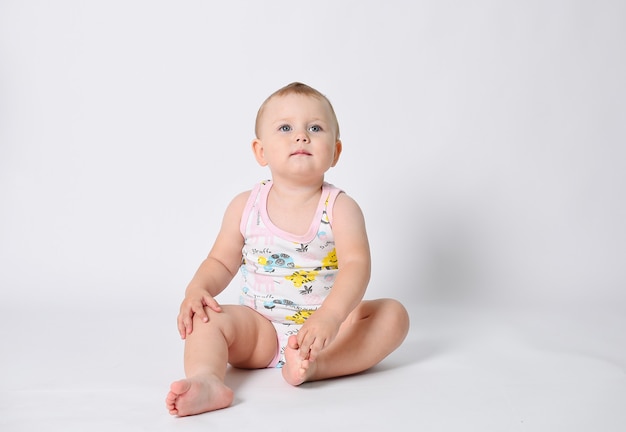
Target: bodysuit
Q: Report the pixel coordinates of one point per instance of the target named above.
(286, 277)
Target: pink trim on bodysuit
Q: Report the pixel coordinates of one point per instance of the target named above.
(328, 195)
(258, 200)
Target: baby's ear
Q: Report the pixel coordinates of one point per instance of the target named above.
(338, 148)
(257, 149)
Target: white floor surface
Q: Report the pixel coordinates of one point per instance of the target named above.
(460, 369)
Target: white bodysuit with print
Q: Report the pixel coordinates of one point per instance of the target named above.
(286, 277)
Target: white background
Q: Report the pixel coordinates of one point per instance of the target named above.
(485, 142)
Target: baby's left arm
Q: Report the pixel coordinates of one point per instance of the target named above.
(353, 256)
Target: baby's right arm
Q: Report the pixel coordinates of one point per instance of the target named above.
(216, 271)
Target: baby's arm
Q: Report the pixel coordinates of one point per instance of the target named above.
(353, 256)
(216, 271)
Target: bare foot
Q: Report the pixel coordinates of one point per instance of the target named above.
(197, 395)
(296, 371)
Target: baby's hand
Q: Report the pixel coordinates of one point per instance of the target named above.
(194, 303)
(317, 333)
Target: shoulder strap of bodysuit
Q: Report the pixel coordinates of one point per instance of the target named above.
(250, 204)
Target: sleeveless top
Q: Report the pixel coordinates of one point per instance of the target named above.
(286, 277)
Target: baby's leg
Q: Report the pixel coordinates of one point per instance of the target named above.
(237, 335)
(369, 334)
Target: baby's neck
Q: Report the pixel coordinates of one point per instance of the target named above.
(292, 208)
(295, 192)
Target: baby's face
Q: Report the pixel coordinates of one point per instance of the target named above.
(297, 136)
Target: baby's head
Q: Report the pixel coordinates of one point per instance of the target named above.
(299, 89)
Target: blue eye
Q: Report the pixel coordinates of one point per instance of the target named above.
(284, 128)
(315, 128)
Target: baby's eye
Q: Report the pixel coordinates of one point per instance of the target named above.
(315, 128)
(284, 128)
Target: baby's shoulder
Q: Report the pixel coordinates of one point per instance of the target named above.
(240, 200)
(238, 203)
(242, 196)
(346, 206)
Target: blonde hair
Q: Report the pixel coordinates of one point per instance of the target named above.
(299, 89)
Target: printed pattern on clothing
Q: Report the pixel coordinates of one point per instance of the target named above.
(286, 277)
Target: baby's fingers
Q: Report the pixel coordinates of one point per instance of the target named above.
(185, 318)
(185, 325)
(305, 343)
(211, 303)
(315, 348)
(198, 309)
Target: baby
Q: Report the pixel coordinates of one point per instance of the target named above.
(301, 248)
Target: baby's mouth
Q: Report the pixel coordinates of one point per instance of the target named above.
(301, 152)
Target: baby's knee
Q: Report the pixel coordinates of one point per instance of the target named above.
(213, 317)
(398, 315)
